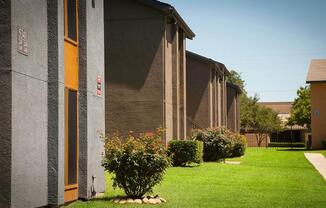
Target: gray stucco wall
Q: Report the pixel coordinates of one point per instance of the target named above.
(82, 101)
(5, 103)
(52, 16)
(29, 106)
(95, 103)
(55, 103)
(61, 104)
(32, 102)
(198, 96)
(134, 52)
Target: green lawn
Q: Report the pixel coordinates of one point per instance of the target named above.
(265, 178)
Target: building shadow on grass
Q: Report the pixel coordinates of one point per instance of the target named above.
(107, 198)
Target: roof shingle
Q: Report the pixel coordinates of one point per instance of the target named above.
(317, 71)
(279, 107)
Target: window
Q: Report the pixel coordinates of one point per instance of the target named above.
(71, 19)
(72, 136)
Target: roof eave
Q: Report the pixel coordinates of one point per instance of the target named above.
(189, 33)
(315, 81)
(234, 86)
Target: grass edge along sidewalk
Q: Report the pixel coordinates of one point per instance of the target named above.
(318, 161)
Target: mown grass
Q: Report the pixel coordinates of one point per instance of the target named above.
(265, 178)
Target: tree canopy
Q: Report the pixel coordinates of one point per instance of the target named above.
(301, 108)
(258, 119)
(254, 117)
(235, 78)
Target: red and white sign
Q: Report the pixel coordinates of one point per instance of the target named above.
(99, 86)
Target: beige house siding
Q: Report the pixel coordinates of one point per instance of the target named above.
(318, 114)
(317, 79)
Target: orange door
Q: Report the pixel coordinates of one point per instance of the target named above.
(71, 99)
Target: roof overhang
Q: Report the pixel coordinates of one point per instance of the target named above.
(171, 12)
(317, 71)
(234, 86)
(221, 68)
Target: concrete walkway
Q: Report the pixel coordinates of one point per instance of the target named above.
(318, 161)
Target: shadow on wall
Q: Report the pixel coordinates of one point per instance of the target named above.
(134, 63)
(198, 78)
(131, 54)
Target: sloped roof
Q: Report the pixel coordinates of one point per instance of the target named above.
(284, 111)
(279, 107)
(169, 10)
(217, 64)
(317, 71)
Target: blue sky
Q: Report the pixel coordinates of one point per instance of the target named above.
(270, 43)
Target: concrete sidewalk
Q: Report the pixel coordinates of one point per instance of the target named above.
(318, 161)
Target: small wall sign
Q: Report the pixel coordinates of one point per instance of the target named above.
(22, 38)
(99, 86)
(317, 113)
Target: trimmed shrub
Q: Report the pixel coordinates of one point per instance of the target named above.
(220, 143)
(217, 146)
(286, 144)
(239, 144)
(137, 163)
(199, 152)
(184, 152)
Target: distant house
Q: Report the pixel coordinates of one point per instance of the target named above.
(206, 92)
(233, 107)
(293, 133)
(289, 134)
(317, 80)
(145, 59)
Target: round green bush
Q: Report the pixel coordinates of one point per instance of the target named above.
(217, 146)
(185, 152)
(239, 144)
(137, 163)
(220, 143)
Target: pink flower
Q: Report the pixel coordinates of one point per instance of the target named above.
(149, 134)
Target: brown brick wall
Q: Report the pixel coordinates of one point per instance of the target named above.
(233, 108)
(198, 100)
(134, 45)
(252, 141)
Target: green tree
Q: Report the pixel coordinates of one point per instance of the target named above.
(235, 78)
(258, 119)
(254, 117)
(301, 108)
(265, 122)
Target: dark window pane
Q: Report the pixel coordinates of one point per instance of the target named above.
(72, 25)
(72, 137)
